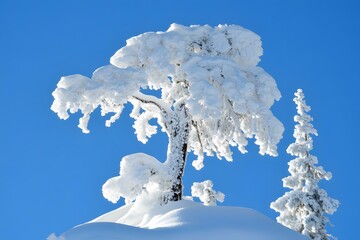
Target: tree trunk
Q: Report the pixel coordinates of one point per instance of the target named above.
(178, 134)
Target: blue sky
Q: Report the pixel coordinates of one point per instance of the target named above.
(51, 173)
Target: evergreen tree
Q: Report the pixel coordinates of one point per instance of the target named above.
(205, 192)
(303, 208)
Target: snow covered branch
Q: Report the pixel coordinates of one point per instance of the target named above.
(139, 174)
(149, 99)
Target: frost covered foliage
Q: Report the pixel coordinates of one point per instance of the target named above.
(205, 192)
(302, 209)
(213, 93)
(139, 174)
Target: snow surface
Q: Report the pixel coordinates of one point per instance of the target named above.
(184, 219)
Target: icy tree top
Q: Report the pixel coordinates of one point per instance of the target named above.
(303, 130)
(213, 71)
(305, 173)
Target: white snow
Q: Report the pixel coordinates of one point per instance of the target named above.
(205, 192)
(140, 174)
(213, 71)
(181, 220)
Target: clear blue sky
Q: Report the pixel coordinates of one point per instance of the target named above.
(51, 173)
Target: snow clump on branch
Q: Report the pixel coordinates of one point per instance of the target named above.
(139, 173)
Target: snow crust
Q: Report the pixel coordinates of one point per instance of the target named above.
(181, 220)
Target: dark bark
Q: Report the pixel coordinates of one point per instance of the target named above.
(177, 187)
(177, 150)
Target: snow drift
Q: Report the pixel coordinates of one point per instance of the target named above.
(181, 220)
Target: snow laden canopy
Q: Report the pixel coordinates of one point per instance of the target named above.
(212, 93)
(303, 208)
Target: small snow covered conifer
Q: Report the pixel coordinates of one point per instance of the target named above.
(303, 208)
(205, 192)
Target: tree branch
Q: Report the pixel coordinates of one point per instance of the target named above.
(163, 107)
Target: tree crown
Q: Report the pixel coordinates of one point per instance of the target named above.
(213, 72)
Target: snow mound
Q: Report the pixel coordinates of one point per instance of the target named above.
(181, 220)
(140, 174)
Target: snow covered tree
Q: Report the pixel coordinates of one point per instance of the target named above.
(303, 208)
(205, 192)
(212, 95)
